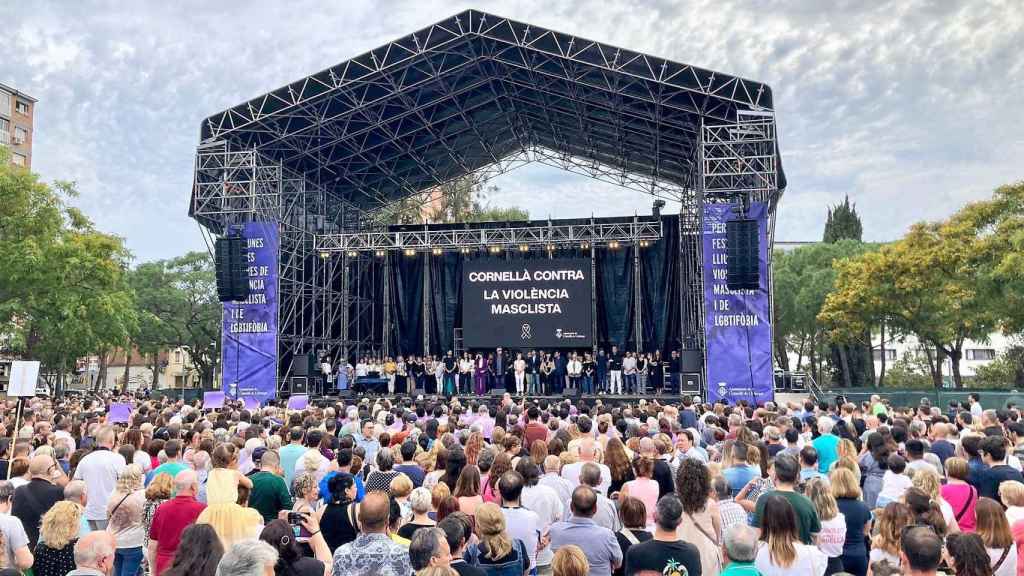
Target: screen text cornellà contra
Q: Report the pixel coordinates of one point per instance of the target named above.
(526, 275)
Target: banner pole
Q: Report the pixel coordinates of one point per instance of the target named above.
(14, 435)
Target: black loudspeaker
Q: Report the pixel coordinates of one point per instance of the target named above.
(304, 365)
(691, 361)
(231, 269)
(299, 385)
(689, 382)
(743, 268)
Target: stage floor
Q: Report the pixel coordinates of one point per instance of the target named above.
(468, 398)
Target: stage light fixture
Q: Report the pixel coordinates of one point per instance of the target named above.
(464, 250)
(352, 254)
(410, 252)
(379, 253)
(613, 244)
(524, 248)
(325, 255)
(436, 251)
(551, 247)
(584, 246)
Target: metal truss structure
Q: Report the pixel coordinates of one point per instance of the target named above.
(472, 94)
(550, 235)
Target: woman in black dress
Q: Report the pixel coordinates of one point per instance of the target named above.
(657, 370)
(338, 520)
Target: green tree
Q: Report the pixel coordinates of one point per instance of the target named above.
(463, 199)
(928, 284)
(803, 278)
(843, 223)
(177, 306)
(63, 288)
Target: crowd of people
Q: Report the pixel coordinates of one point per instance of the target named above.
(534, 372)
(434, 487)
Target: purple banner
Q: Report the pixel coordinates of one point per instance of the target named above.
(736, 322)
(298, 402)
(119, 412)
(249, 335)
(213, 400)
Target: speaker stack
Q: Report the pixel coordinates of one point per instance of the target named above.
(231, 269)
(743, 269)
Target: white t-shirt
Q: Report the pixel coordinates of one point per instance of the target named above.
(544, 501)
(99, 470)
(524, 525)
(894, 486)
(14, 536)
(571, 472)
(1009, 565)
(832, 536)
(809, 561)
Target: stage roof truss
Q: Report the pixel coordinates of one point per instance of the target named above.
(468, 93)
(472, 237)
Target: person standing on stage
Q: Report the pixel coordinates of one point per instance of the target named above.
(439, 376)
(629, 372)
(532, 373)
(588, 373)
(402, 375)
(519, 368)
(325, 372)
(448, 373)
(492, 381)
(574, 368)
(615, 371)
(390, 370)
(642, 363)
(558, 375)
(465, 374)
(601, 371)
(657, 370)
(547, 367)
(480, 375)
(674, 368)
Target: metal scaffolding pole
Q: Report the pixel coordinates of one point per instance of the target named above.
(638, 335)
(426, 303)
(386, 330)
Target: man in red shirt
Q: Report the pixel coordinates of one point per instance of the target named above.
(535, 429)
(171, 519)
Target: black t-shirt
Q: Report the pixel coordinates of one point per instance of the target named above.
(625, 545)
(857, 515)
(407, 530)
(588, 367)
(656, 555)
(304, 565)
(615, 362)
(663, 476)
(449, 362)
(464, 569)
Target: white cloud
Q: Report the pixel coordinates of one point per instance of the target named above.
(911, 108)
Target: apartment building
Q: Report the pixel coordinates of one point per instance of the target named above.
(17, 110)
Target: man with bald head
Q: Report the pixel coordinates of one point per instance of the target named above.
(588, 453)
(36, 498)
(171, 519)
(94, 554)
(597, 542)
(372, 552)
(75, 491)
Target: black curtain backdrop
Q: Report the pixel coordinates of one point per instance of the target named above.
(614, 292)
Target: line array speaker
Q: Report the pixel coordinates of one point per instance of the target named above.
(743, 267)
(231, 269)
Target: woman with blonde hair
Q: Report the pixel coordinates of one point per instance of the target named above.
(995, 533)
(846, 490)
(832, 536)
(1011, 493)
(160, 490)
(124, 512)
(959, 494)
(232, 521)
(58, 533)
(499, 553)
(570, 561)
(929, 482)
(885, 546)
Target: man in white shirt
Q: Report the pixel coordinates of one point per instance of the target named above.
(607, 514)
(571, 472)
(522, 524)
(325, 371)
(574, 369)
(629, 372)
(552, 479)
(63, 432)
(544, 501)
(100, 469)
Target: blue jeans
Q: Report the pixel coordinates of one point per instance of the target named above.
(588, 385)
(127, 561)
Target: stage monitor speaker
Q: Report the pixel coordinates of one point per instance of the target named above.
(689, 382)
(743, 266)
(304, 365)
(691, 361)
(231, 269)
(418, 392)
(497, 392)
(299, 385)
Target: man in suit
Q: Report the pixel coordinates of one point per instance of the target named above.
(533, 372)
(559, 374)
(500, 368)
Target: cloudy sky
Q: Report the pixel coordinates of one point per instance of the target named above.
(912, 108)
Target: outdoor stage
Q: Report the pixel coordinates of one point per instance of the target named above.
(306, 174)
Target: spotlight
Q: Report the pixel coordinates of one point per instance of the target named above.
(464, 250)
(352, 254)
(613, 244)
(436, 251)
(379, 253)
(644, 243)
(584, 246)
(325, 255)
(410, 252)
(551, 247)
(524, 248)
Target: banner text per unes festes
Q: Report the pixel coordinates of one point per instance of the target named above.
(736, 322)
(249, 334)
